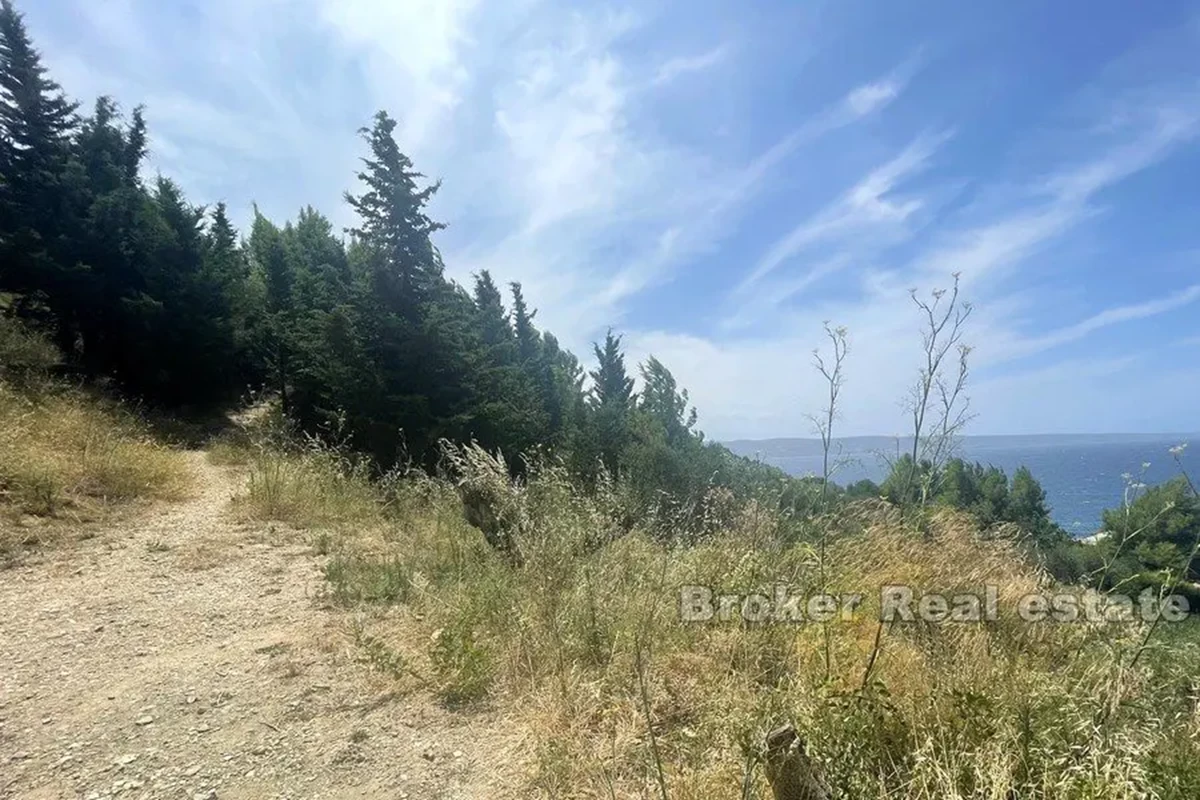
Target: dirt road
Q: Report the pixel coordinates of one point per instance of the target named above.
(182, 654)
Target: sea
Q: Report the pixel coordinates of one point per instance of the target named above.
(1083, 474)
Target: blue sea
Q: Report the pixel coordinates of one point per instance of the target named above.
(1082, 474)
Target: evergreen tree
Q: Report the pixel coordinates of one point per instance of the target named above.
(322, 269)
(417, 327)
(611, 384)
(276, 327)
(528, 339)
(106, 241)
(664, 402)
(135, 146)
(223, 257)
(393, 224)
(493, 320)
(36, 124)
(612, 400)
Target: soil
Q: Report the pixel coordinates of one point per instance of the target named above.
(178, 652)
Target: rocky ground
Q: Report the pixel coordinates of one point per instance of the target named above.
(179, 653)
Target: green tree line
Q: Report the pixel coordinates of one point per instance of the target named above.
(167, 302)
(361, 330)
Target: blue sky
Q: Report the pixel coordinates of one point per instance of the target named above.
(717, 179)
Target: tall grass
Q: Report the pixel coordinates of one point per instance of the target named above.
(67, 454)
(582, 638)
(300, 480)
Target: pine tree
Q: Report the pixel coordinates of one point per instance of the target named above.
(493, 319)
(277, 329)
(111, 239)
(1026, 506)
(322, 269)
(36, 117)
(394, 226)
(223, 258)
(612, 400)
(663, 401)
(528, 339)
(36, 123)
(135, 145)
(611, 384)
(560, 379)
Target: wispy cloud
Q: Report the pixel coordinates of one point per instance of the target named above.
(868, 203)
(682, 65)
(1104, 319)
(758, 382)
(568, 165)
(699, 232)
(413, 55)
(873, 96)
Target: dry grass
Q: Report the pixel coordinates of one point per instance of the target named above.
(296, 480)
(66, 454)
(310, 489)
(571, 638)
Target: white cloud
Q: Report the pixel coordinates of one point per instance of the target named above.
(683, 65)
(872, 96)
(562, 171)
(413, 54)
(699, 232)
(761, 386)
(868, 203)
(1105, 319)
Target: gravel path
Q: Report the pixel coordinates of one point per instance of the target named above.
(181, 654)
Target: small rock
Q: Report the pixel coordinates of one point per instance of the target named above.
(146, 720)
(191, 772)
(128, 758)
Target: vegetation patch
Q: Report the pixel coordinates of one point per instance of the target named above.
(67, 454)
(584, 636)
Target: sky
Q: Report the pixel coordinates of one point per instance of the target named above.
(716, 180)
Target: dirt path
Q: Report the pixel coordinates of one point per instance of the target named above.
(181, 654)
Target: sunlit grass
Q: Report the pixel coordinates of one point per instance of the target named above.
(992, 710)
(70, 455)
